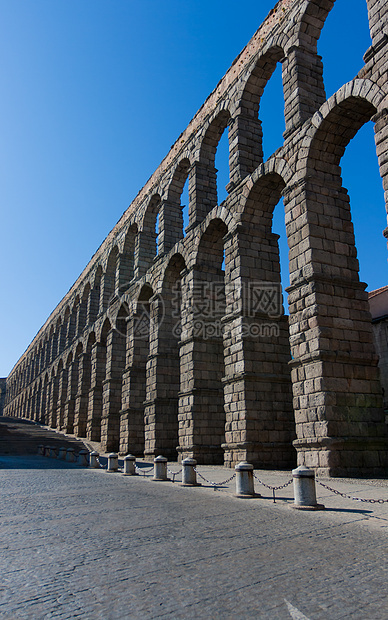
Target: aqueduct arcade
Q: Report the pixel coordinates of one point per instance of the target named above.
(174, 339)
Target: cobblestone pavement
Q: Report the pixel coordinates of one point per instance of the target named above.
(83, 543)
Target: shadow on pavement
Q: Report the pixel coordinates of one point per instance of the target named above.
(34, 462)
(362, 512)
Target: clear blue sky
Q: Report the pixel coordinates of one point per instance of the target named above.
(94, 93)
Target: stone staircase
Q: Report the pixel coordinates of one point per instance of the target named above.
(22, 437)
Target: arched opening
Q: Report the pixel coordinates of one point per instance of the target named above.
(351, 43)
(185, 201)
(132, 427)
(150, 238)
(72, 325)
(63, 332)
(163, 367)
(112, 385)
(261, 337)
(110, 279)
(339, 326)
(279, 228)
(94, 297)
(83, 310)
(55, 339)
(208, 310)
(98, 372)
(53, 398)
(62, 393)
(44, 401)
(221, 164)
(177, 218)
(271, 113)
(84, 384)
(72, 389)
(246, 133)
(127, 259)
(209, 186)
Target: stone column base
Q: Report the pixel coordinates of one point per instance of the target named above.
(203, 454)
(260, 455)
(132, 431)
(352, 456)
(110, 431)
(93, 429)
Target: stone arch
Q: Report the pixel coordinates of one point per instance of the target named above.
(82, 310)
(83, 356)
(305, 91)
(59, 392)
(98, 372)
(311, 20)
(45, 400)
(257, 79)
(112, 385)
(203, 175)
(37, 400)
(245, 133)
(72, 365)
(276, 174)
(172, 208)
(94, 296)
(149, 236)
(132, 418)
(163, 367)
(257, 332)
(178, 180)
(72, 324)
(201, 409)
(64, 372)
(109, 279)
(127, 259)
(63, 331)
(325, 287)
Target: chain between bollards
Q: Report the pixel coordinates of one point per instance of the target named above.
(272, 488)
(303, 478)
(214, 484)
(356, 499)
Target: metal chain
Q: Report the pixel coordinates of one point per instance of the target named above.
(268, 486)
(141, 470)
(100, 464)
(356, 499)
(214, 484)
(271, 488)
(174, 473)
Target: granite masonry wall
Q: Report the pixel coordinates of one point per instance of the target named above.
(175, 341)
(3, 388)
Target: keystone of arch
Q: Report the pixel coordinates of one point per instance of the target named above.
(275, 165)
(218, 213)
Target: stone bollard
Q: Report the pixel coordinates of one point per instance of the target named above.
(245, 487)
(113, 462)
(62, 453)
(70, 457)
(41, 450)
(129, 465)
(53, 452)
(93, 459)
(304, 489)
(189, 475)
(47, 451)
(83, 458)
(160, 469)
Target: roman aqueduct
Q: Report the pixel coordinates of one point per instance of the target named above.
(133, 356)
